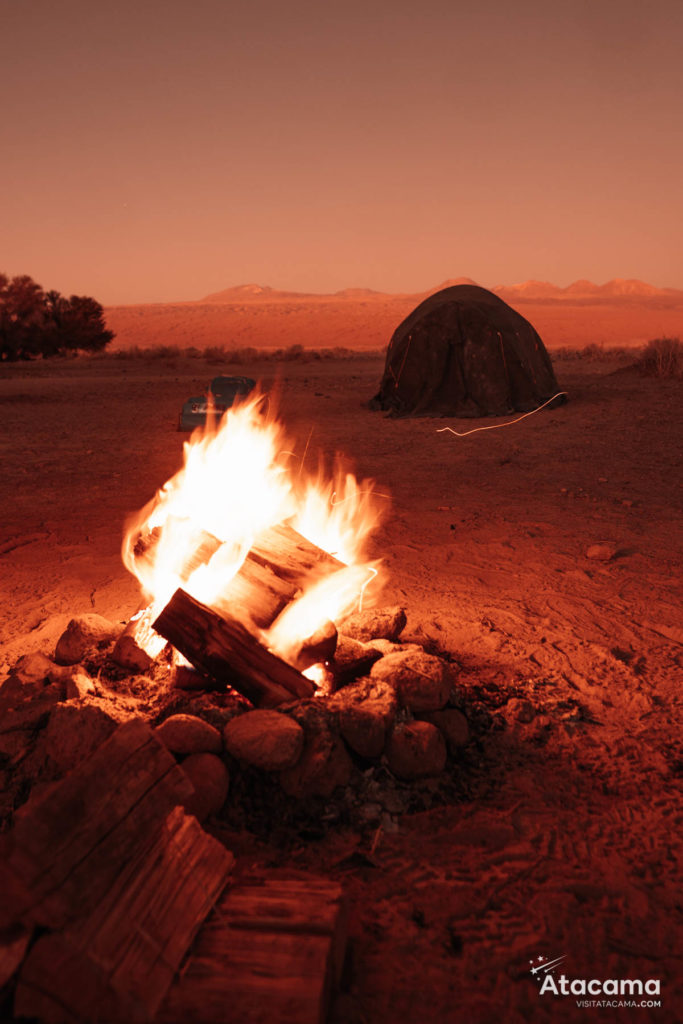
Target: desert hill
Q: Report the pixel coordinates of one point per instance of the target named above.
(618, 312)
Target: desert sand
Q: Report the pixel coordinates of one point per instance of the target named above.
(564, 837)
(619, 313)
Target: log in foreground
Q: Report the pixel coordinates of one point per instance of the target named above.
(221, 647)
(118, 877)
(68, 844)
(118, 963)
(271, 952)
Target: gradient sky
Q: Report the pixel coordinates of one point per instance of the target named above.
(157, 151)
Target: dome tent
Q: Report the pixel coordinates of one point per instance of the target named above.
(465, 352)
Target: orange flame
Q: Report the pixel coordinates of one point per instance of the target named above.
(237, 480)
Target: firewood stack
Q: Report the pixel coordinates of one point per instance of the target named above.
(106, 881)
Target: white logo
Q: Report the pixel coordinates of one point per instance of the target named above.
(543, 968)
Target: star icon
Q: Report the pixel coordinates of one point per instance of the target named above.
(540, 959)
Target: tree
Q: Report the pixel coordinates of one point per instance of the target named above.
(21, 316)
(37, 323)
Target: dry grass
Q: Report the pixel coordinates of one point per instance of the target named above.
(239, 356)
(594, 353)
(662, 357)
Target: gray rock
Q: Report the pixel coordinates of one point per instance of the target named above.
(187, 734)
(312, 714)
(79, 685)
(452, 725)
(367, 710)
(376, 624)
(129, 654)
(84, 635)
(264, 739)
(29, 677)
(323, 766)
(603, 552)
(416, 750)
(422, 681)
(389, 647)
(38, 668)
(363, 730)
(29, 680)
(319, 647)
(211, 782)
(352, 659)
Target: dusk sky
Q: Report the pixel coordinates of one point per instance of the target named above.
(159, 151)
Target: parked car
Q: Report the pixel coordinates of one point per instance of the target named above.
(221, 396)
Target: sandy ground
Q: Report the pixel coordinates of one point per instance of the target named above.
(368, 322)
(567, 837)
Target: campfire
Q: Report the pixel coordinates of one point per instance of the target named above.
(257, 644)
(246, 565)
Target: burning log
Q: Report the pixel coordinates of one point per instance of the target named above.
(290, 555)
(223, 648)
(198, 545)
(259, 591)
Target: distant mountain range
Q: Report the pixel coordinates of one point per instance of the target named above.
(582, 291)
(264, 293)
(617, 288)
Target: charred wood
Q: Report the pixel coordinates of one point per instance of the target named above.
(224, 649)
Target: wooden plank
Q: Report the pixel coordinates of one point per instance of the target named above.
(67, 845)
(224, 649)
(13, 945)
(269, 952)
(119, 961)
(38, 995)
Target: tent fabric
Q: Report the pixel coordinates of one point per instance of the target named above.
(465, 352)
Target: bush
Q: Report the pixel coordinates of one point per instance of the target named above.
(662, 357)
(215, 354)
